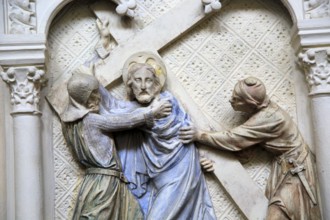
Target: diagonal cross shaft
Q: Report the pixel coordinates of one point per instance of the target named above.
(229, 172)
(156, 36)
(153, 38)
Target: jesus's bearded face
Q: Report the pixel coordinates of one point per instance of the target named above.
(144, 86)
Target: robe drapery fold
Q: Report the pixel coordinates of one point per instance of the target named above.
(164, 174)
(273, 129)
(103, 194)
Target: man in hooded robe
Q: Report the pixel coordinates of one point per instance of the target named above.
(103, 193)
(292, 184)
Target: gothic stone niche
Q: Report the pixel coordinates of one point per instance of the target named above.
(246, 38)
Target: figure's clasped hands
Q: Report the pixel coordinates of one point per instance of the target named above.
(161, 108)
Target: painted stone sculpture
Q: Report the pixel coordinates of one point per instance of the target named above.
(103, 193)
(167, 180)
(292, 185)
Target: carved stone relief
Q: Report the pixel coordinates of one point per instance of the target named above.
(317, 9)
(292, 184)
(232, 46)
(68, 175)
(245, 38)
(22, 18)
(316, 63)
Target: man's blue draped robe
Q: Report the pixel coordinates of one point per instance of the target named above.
(164, 174)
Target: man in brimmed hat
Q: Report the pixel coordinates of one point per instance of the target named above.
(292, 184)
(103, 194)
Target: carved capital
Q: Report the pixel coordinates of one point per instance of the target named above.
(21, 15)
(317, 9)
(316, 64)
(25, 84)
(211, 5)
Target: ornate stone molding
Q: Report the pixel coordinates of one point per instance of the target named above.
(316, 64)
(317, 9)
(211, 5)
(125, 7)
(25, 84)
(21, 14)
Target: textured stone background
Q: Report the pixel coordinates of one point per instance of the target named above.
(247, 37)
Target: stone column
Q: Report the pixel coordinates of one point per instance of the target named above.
(25, 84)
(316, 63)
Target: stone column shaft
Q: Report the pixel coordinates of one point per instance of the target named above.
(25, 84)
(316, 63)
(320, 108)
(28, 167)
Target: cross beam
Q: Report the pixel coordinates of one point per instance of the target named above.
(153, 38)
(156, 36)
(229, 172)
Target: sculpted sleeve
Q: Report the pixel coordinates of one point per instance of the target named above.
(259, 128)
(121, 121)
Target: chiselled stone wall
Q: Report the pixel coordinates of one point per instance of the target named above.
(246, 37)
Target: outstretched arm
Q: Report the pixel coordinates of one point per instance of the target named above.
(126, 121)
(250, 133)
(224, 140)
